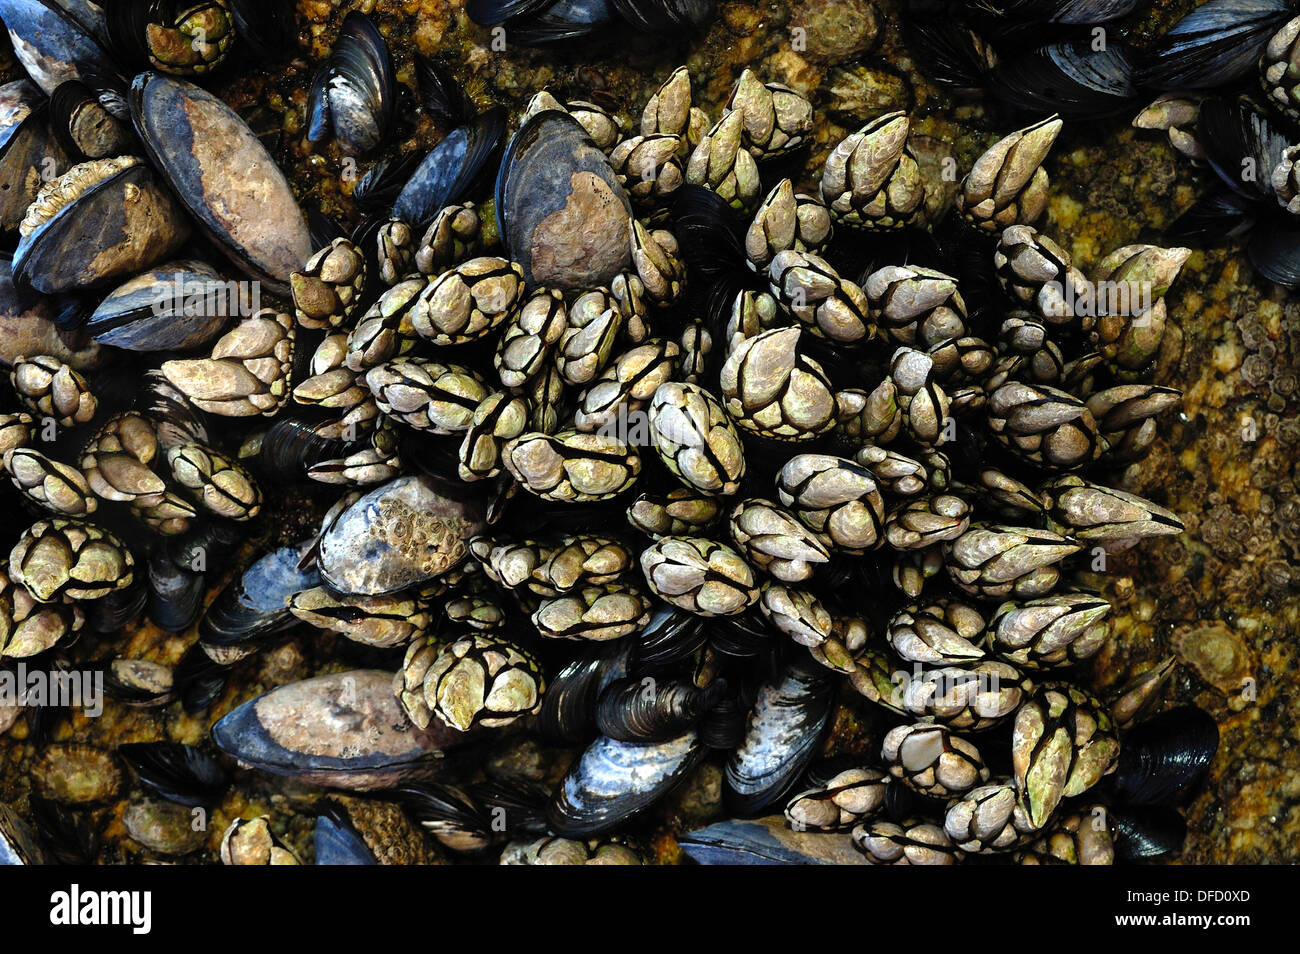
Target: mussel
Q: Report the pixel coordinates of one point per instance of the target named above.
(99, 221)
(353, 93)
(784, 729)
(176, 307)
(1165, 757)
(613, 781)
(344, 730)
(401, 534)
(222, 173)
(561, 211)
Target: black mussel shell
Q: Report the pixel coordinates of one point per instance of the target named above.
(492, 12)
(101, 236)
(519, 803)
(569, 704)
(336, 840)
(442, 96)
(19, 843)
(268, 28)
(1079, 11)
(1241, 146)
(1213, 216)
(1145, 833)
(1215, 44)
(723, 727)
(199, 680)
(136, 682)
(671, 634)
(26, 150)
(562, 20)
(291, 447)
(1071, 79)
(653, 709)
(224, 177)
(744, 636)
(950, 52)
(175, 593)
(111, 613)
(56, 42)
(353, 93)
(254, 605)
(179, 306)
(377, 190)
(1162, 759)
(665, 16)
(710, 234)
(1274, 250)
(179, 773)
(84, 127)
(450, 814)
(783, 732)
(451, 169)
(613, 781)
(561, 212)
(71, 836)
(767, 841)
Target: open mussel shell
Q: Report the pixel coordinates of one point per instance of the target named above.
(561, 211)
(613, 781)
(53, 43)
(224, 176)
(344, 730)
(449, 171)
(84, 127)
(353, 93)
(767, 841)
(179, 306)
(254, 605)
(179, 773)
(1163, 758)
(369, 549)
(99, 221)
(569, 704)
(784, 729)
(25, 148)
